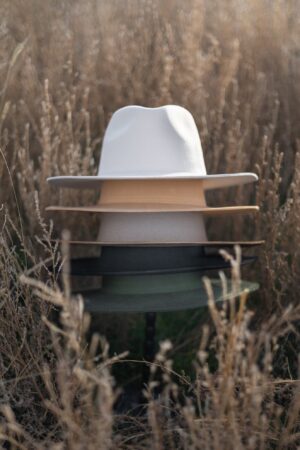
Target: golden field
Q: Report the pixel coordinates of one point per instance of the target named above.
(65, 67)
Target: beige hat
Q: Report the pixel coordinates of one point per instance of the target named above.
(152, 227)
(154, 196)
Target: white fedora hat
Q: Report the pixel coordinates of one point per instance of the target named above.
(150, 144)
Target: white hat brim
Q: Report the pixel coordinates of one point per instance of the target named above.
(209, 181)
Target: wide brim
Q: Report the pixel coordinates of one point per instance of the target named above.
(155, 208)
(97, 301)
(209, 181)
(216, 244)
(144, 266)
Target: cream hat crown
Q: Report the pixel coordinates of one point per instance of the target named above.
(150, 143)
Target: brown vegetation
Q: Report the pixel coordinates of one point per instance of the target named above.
(65, 66)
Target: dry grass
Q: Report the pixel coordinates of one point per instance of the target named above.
(65, 66)
(57, 390)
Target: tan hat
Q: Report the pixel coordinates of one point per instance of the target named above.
(154, 196)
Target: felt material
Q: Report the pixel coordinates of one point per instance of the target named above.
(151, 284)
(152, 143)
(139, 260)
(155, 192)
(191, 298)
(152, 227)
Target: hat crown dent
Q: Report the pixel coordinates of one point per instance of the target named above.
(142, 141)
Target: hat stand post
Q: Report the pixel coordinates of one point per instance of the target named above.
(149, 343)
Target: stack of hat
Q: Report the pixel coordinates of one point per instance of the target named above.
(154, 243)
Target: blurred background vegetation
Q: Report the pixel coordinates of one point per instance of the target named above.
(66, 66)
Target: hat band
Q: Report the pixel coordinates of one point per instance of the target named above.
(184, 192)
(151, 284)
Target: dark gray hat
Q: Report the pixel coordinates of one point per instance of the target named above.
(132, 260)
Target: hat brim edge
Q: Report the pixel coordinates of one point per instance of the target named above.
(164, 244)
(79, 268)
(155, 208)
(97, 301)
(209, 181)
